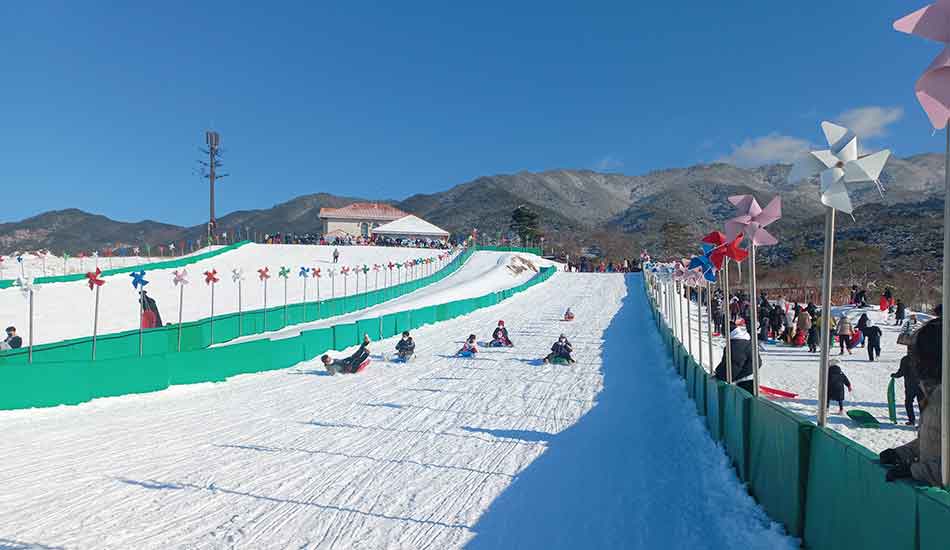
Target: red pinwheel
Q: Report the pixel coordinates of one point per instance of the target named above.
(263, 273)
(211, 277)
(315, 272)
(92, 278)
(723, 249)
(391, 266)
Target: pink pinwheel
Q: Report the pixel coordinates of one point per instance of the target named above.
(753, 219)
(263, 273)
(933, 87)
(180, 277)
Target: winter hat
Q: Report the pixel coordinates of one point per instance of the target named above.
(501, 323)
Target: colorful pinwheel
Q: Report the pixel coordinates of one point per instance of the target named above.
(138, 280)
(180, 277)
(284, 272)
(93, 279)
(839, 165)
(704, 264)
(211, 277)
(753, 219)
(315, 272)
(933, 89)
(263, 273)
(304, 272)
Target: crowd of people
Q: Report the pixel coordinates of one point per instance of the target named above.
(588, 265)
(794, 324)
(349, 240)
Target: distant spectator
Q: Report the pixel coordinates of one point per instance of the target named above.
(740, 345)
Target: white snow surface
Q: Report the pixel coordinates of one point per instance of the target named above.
(495, 452)
(65, 310)
(794, 369)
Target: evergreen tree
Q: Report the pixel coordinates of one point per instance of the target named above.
(524, 223)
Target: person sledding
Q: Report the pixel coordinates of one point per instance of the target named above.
(351, 364)
(469, 348)
(499, 338)
(561, 352)
(405, 347)
(568, 315)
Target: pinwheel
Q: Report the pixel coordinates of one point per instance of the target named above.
(237, 277)
(836, 166)
(28, 288)
(704, 264)
(284, 274)
(138, 283)
(95, 282)
(211, 279)
(180, 278)
(933, 93)
(722, 251)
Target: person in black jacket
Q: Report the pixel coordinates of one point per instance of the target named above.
(837, 382)
(12, 341)
(561, 349)
(912, 390)
(349, 364)
(405, 347)
(872, 336)
(740, 343)
(500, 336)
(900, 313)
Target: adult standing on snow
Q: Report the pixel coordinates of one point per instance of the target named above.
(912, 390)
(845, 332)
(336, 255)
(872, 335)
(740, 344)
(900, 313)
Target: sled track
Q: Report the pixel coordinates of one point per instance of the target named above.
(400, 456)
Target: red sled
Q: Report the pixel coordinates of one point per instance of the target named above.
(362, 366)
(772, 392)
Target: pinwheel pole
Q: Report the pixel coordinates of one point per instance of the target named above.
(838, 165)
(304, 274)
(237, 275)
(94, 284)
(284, 274)
(211, 278)
(315, 272)
(263, 275)
(180, 280)
(933, 23)
(689, 320)
(138, 283)
(709, 326)
(726, 326)
(26, 286)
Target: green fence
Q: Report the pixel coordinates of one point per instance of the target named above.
(825, 488)
(197, 334)
(71, 382)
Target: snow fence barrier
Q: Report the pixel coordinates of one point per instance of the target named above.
(825, 488)
(73, 382)
(197, 334)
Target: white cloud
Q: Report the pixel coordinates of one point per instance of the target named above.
(870, 122)
(768, 149)
(608, 163)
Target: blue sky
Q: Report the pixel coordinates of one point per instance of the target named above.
(103, 105)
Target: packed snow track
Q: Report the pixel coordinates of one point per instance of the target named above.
(495, 452)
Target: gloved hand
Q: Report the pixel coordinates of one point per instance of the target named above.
(899, 472)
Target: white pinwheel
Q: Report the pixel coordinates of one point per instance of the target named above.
(237, 274)
(838, 165)
(26, 285)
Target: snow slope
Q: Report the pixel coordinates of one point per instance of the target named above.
(483, 273)
(65, 310)
(400, 456)
(796, 370)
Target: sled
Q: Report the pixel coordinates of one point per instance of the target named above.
(891, 402)
(465, 354)
(499, 344)
(863, 419)
(772, 392)
(560, 361)
(362, 366)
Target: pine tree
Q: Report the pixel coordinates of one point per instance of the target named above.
(524, 223)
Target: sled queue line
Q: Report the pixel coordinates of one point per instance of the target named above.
(813, 480)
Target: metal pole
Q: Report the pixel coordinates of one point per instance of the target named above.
(945, 358)
(689, 322)
(754, 320)
(699, 322)
(95, 324)
(141, 311)
(726, 329)
(181, 303)
(212, 314)
(285, 301)
(826, 316)
(709, 326)
(305, 298)
(31, 327)
(264, 328)
(240, 312)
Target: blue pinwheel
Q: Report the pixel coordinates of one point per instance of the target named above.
(704, 263)
(304, 272)
(138, 279)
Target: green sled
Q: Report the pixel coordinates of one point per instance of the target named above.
(863, 419)
(560, 361)
(891, 402)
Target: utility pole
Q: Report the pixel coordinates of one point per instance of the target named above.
(211, 166)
